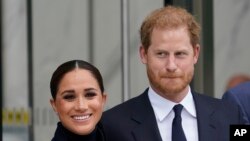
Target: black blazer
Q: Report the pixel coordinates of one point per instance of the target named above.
(134, 120)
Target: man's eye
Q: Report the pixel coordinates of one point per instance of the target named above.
(180, 53)
(161, 54)
(69, 97)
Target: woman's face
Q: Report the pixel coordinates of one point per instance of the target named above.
(79, 101)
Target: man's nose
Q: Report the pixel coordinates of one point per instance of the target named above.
(171, 65)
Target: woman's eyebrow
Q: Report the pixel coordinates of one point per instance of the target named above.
(67, 91)
(90, 89)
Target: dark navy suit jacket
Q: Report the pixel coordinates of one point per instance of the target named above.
(134, 120)
(241, 96)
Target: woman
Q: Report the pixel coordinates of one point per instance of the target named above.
(78, 100)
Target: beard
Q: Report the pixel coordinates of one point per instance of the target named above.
(169, 83)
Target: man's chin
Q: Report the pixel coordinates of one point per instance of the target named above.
(176, 88)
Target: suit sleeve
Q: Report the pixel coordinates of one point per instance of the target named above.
(232, 97)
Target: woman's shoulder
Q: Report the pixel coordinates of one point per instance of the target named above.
(100, 132)
(59, 133)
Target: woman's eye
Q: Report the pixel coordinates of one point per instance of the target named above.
(69, 97)
(90, 94)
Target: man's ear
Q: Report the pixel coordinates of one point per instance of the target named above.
(196, 53)
(143, 54)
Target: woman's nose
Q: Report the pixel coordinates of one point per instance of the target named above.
(81, 104)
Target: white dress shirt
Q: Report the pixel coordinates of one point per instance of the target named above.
(164, 114)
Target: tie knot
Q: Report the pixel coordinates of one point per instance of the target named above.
(177, 109)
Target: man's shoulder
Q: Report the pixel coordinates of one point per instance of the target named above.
(213, 102)
(241, 88)
(204, 97)
(125, 107)
(221, 109)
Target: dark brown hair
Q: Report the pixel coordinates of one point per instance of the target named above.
(69, 66)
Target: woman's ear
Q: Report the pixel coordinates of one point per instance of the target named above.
(104, 99)
(53, 105)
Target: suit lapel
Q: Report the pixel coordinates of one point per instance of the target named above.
(143, 114)
(205, 119)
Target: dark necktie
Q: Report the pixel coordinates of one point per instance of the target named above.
(177, 131)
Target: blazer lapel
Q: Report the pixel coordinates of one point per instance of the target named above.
(206, 123)
(143, 114)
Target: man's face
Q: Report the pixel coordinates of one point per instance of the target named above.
(170, 62)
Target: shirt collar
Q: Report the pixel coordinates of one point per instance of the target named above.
(162, 106)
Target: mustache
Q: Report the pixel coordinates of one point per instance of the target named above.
(171, 75)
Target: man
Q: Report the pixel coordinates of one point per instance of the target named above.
(170, 49)
(236, 80)
(240, 95)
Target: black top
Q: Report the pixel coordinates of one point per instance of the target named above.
(63, 134)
